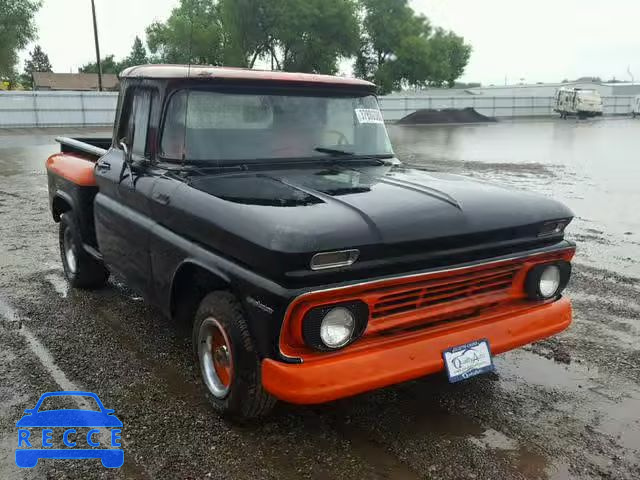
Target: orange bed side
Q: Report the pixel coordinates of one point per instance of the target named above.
(74, 168)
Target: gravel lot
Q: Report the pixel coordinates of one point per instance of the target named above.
(567, 407)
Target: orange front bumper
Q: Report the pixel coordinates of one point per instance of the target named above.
(407, 357)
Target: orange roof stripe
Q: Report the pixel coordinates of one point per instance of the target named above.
(206, 71)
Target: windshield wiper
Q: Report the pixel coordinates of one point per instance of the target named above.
(333, 151)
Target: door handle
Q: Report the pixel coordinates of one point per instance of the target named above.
(104, 165)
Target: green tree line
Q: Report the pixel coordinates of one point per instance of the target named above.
(392, 45)
(387, 41)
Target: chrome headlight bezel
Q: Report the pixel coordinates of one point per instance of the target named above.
(313, 321)
(536, 276)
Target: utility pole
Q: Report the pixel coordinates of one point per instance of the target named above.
(95, 36)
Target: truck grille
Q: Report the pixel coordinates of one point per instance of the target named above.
(426, 303)
(488, 283)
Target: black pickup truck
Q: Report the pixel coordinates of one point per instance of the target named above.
(268, 210)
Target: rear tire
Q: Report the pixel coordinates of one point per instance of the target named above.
(228, 360)
(81, 269)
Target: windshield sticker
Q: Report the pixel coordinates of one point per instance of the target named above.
(369, 115)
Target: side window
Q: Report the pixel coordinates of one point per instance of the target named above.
(137, 111)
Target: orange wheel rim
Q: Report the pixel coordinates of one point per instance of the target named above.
(216, 357)
(221, 353)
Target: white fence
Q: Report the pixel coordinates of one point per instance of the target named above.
(49, 109)
(53, 109)
(396, 107)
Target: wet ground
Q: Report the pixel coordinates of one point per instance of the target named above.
(567, 407)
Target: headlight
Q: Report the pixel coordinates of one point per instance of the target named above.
(337, 327)
(331, 327)
(547, 281)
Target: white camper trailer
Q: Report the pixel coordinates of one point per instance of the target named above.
(635, 108)
(578, 102)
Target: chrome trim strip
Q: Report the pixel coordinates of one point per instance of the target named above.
(423, 274)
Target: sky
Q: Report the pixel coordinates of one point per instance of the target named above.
(513, 40)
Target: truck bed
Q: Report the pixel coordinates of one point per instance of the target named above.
(71, 181)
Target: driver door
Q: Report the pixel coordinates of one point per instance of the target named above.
(122, 207)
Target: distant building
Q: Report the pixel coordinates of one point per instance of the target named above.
(73, 81)
(532, 90)
(549, 89)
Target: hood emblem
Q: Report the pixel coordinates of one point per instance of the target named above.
(258, 304)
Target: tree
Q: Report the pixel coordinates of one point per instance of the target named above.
(108, 64)
(138, 55)
(393, 46)
(301, 35)
(191, 34)
(449, 57)
(38, 62)
(17, 29)
(312, 35)
(400, 48)
(245, 38)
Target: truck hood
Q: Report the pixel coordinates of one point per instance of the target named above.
(315, 209)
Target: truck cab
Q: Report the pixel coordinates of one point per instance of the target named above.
(268, 211)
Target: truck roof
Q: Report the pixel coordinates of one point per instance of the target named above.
(165, 71)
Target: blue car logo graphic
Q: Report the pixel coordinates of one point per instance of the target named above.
(32, 447)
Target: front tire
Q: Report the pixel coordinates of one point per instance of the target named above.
(80, 268)
(228, 360)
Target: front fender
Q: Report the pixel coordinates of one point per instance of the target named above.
(174, 261)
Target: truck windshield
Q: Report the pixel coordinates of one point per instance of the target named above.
(208, 126)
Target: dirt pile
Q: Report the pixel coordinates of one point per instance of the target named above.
(446, 115)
